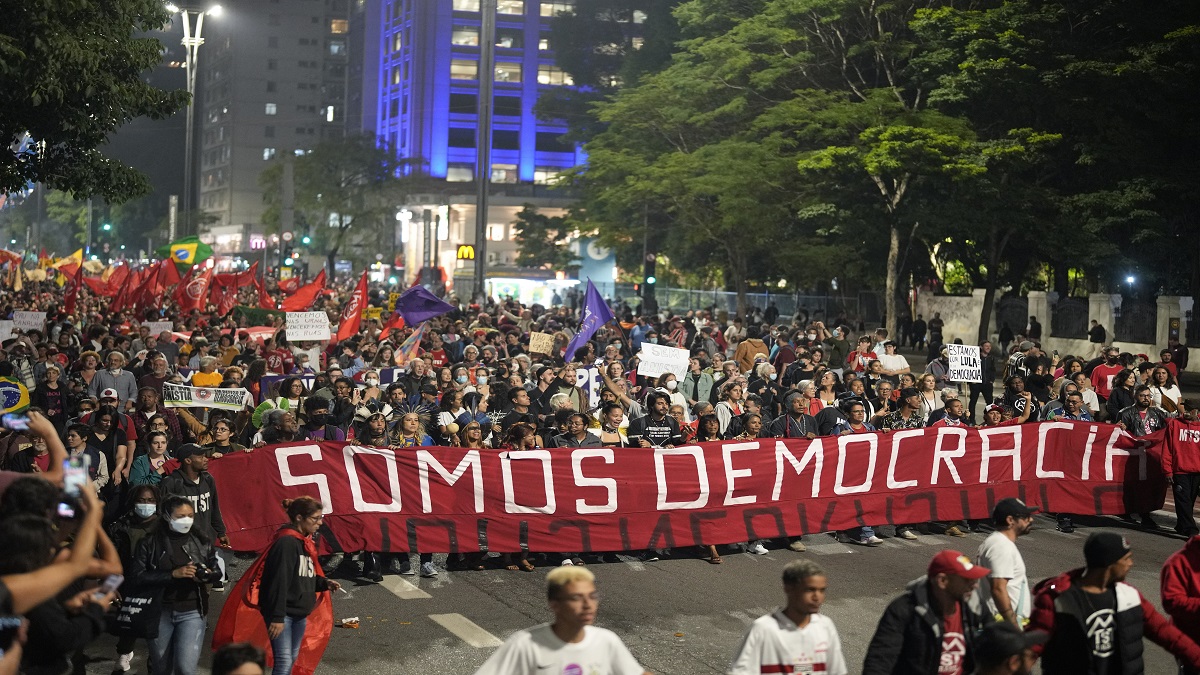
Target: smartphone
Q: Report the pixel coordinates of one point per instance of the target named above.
(75, 474)
(68, 507)
(16, 421)
(9, 627)
(111, 583)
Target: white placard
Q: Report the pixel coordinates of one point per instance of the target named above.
(181, 396)
(157, 327)
(29, 321)
(966, 365)
(307, 326)
(654, 360)
(6, 329)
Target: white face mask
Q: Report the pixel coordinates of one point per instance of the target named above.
(181, 525)
(774, 375)
(145, 510)
(482, 379)
(372, 382)
(671, 385)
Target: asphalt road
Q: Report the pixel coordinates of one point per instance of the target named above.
(679, 615)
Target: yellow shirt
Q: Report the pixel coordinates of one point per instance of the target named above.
(212, 379)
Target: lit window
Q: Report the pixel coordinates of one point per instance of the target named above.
(546, 175)
(544, 44)
(504, 173)
(330, 113)
(466, 5)
(548, 74)
(639, 16)
(271, 109)
(337, 47)
(495, 232)
(396, 75)
(637, 42)
(465, 36)
(339, 26)
(268, 154)
(460, 173)
(553, 8)
(510, 6)
(464, 69)
(508, 72)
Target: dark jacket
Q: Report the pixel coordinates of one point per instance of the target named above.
(569, 441)
(289, 582)
(1156, 418)
(55, 634)
(152, 565)
(660, 433)
(129, 531)
(202, 495)
(786, 426)
(1068, 650)
(908, 639)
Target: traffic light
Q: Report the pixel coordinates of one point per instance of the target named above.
(649, 300)
(306, 240)
(107, 227)
(289, 256)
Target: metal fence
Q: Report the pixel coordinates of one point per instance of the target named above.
(864, 305)
(1069, 318)
(1137, 322)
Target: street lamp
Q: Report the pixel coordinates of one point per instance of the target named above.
(191, 41)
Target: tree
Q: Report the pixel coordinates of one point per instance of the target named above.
(70, 75)
(346, 192)
(543, 240)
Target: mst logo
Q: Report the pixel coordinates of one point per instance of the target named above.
(195, 287)
(351, 307)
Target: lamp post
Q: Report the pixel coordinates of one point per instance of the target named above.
(191, 42)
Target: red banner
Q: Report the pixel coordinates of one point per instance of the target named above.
(621, 499)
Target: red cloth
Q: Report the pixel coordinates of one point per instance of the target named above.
(304, 296)
(1180, 584)
(1102, 377)
(71, 289)
(241, 621)
(954, 646)
(192, 292)
(352, 312)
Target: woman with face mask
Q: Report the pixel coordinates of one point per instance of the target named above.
(178, 563)
(126, 533)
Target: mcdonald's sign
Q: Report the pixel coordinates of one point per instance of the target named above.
(466, 252)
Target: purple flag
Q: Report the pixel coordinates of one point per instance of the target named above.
(417, 304)
(595, 314)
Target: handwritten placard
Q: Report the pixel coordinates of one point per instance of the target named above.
(29, 321)
(541, 343)
(307, 326)
(654, 360)
(966, 365)
(157, 327)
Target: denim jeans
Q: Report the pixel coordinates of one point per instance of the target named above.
(864, 532)
(285, 647)
(177, 647)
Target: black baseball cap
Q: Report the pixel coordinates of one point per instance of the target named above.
(1002, 640)
(1011, 506)
(188, 450)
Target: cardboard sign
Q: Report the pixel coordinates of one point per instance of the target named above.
(27, 321)
(654, 360)
(373, 313)
(966, 365)
(6, 329)
(391, 303)
(307, 326)
(157, 327)
(541, 343)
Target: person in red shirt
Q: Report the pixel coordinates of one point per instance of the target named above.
(1181, 464)
(1180, 586)
(1166, 360)
(1103, 374)
(279, 359)
(437, 351)
(862, 356)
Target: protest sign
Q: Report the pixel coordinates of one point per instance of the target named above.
(181, 396)
(654, 360)
(373, 313)
(6, 329)
(541, 343)
(307, 326)
(605, 499)
(157, 327)
(27, 321)
(965, 363)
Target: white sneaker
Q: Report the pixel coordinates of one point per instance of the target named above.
(428, 570)
(907, 534)
(870, 541)
(757, 548)
(124, 662)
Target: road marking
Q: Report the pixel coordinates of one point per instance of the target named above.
(403, 589)
(634, 564)
(466, 630)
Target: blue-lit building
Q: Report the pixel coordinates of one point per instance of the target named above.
(420, 94)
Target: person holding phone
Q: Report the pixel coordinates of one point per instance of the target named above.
(181, 561)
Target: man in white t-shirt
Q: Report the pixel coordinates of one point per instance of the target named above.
(797, 638)
(894, 365)
(570, 645)
(1005, 594)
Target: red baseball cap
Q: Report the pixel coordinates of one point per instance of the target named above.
(954, 562)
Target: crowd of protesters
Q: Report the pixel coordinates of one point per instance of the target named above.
(149, 508)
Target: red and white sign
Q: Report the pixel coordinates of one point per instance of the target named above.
(613, 499)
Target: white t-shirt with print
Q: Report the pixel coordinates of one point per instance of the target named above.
(999, 554)
(538, 651)
(775, 644)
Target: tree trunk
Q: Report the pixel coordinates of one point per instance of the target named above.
(989, 299)
(737, 262)
(893, 259)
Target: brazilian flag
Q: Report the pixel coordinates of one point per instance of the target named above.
(14, 397)
(186, 252)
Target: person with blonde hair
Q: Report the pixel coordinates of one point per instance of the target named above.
(570, 643)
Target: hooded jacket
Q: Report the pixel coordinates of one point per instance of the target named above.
(1180, 584)
(1134, 618)
(908, 639)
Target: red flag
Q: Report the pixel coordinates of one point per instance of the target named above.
(394, 321)
(192, 293)
(304, 296)
(168, 273)
(352, 312)
(265, 301)
(71, 289)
